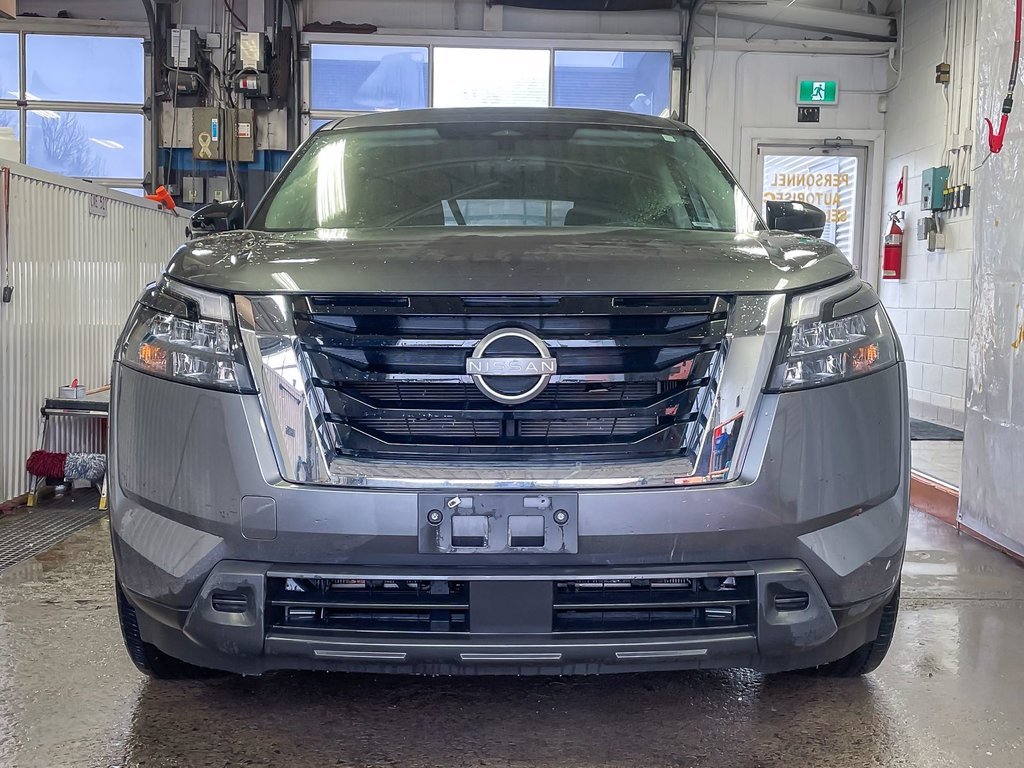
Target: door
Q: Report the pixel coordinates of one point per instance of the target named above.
(828, 175)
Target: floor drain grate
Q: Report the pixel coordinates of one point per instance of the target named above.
(25, 534)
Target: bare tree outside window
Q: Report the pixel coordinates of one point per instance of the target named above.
(67, 147)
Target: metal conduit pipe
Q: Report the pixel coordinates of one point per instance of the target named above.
(154, 112)
(688, 57)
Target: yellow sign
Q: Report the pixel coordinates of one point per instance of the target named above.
(824, 190)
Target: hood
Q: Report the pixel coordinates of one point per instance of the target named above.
(488, 261)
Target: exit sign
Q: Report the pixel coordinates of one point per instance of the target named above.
(817, 92)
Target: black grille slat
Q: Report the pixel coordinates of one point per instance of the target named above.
(357, 605)
(388, 378)
(675, 606)
(325, 334)
(511, 304)
(651, 605)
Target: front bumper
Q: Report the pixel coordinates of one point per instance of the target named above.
(245, 641)
(198, 507)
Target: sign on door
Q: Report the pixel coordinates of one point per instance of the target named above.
(827, 181)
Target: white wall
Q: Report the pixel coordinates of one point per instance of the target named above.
(733, 92)
(741, 97)
(930, 305)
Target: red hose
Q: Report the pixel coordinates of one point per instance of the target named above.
(995, 138)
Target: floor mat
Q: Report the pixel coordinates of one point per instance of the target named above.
(925, 430)
(32, 531)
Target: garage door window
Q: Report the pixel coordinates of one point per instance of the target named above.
(368, 78)
(85, 69)
(630, 81)
(348, 79)
(103, 136)
(95, 145)
(10, 67)
(491, 77)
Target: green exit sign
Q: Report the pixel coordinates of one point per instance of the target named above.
(817, 92)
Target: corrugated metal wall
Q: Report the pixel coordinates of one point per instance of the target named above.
(75, 276)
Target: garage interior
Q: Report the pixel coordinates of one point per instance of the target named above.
(119, 119)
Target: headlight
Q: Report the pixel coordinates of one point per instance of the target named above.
(182, 333)
(833, 335)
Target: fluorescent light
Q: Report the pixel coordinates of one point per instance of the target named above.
(108, 143)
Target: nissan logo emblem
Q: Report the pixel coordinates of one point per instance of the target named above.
(533, 371)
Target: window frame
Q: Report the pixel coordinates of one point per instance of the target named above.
(551, 43)
(23, 28)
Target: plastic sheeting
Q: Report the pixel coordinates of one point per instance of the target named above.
(992, 490)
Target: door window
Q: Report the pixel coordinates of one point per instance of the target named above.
(831, 182)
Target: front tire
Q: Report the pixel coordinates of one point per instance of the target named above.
(149, 659)
(869, 656)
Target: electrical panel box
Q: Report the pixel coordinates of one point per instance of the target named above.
(183, 51)
(223, 134)
(933, 188)
(217, 187)
(193, 189)
(242, 138)
(252, 53)
(207, 133)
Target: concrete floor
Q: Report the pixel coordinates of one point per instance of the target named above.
(951, 692)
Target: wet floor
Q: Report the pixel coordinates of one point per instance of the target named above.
(951, 692)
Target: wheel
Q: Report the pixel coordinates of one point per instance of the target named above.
(866, 658)
(149, 659)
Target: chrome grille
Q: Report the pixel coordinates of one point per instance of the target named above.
(636, 375)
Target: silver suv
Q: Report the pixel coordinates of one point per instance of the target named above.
(508, 391)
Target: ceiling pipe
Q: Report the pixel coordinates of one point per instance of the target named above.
(590, 5)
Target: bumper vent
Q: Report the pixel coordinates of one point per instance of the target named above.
(792, 601)
(675, 606)
(650, 605)
(636, 379)
(229, 602)
(368, 605)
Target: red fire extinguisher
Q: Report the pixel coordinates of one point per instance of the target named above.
(892, 253)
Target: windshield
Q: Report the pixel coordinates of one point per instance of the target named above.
(506, 175)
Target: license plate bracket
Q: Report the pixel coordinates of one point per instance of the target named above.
(498, 523)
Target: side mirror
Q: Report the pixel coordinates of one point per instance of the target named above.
(790, 216)
(219, 217)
